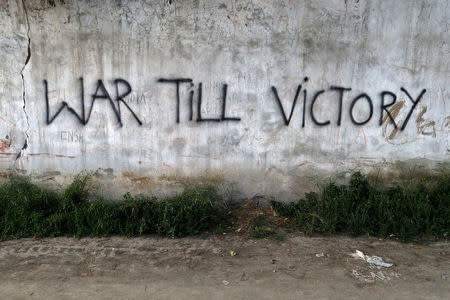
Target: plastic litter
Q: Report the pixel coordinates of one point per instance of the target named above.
(225, 282)
(374, 261)
(372, 276)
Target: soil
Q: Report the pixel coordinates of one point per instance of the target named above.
(297, 267)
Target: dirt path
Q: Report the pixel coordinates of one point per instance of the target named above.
(196, 268)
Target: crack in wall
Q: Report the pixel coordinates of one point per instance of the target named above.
(27, 60)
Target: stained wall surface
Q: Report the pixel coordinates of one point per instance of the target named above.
(89, 85)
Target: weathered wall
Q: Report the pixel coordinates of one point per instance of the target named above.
(251, 46)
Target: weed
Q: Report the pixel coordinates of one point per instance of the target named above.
(27, 210)
(195, 210)
(419, 207)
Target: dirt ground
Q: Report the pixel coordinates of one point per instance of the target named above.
(297, 267)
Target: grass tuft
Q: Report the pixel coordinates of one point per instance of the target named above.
(417, 208)
(27, 210)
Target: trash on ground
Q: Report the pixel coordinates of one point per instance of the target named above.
(371, 277)
(225, 282)
(320, 254)
(233, 253)
(374, 261)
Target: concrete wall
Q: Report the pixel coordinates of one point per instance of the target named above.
(252, 49)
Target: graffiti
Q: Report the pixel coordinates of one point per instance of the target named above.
(425, 127)
(288, 120)
(385, 107)
(361, 96)
(334, 93)
(415, 102)
(340, 92)
(311, 111)
(71, 136)
(100, 93)
(177, 83)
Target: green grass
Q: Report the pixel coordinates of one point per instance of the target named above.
(411, 210)
(30, 211)
(414, 209)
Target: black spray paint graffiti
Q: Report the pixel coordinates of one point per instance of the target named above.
(102, 93)
(177, 83)
(340, 90)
